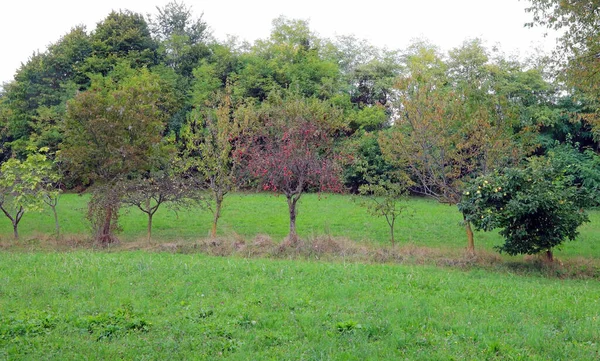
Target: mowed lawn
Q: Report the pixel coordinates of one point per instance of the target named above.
(160, 306)
(425, 223)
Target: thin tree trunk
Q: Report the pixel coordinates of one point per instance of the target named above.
(293, 237)
(391, 223)
(216, 216)
(56, 224)
(149, 232)
(470, 241)
(16, 230)
(549, 256)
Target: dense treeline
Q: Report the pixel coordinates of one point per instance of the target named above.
(152, 110)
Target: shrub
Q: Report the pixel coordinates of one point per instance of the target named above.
(536, 207)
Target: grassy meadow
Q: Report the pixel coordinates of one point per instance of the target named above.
(85, 303)
(426, 223)
(155, 306)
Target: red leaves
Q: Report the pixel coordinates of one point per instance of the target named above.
(291, 157)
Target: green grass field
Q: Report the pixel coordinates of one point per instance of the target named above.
(427, 223)
(157, 306)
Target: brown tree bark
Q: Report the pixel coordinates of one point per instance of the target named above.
(105, 236)
(149, 232)
(216, 215)
(470, 241)
(293, 237)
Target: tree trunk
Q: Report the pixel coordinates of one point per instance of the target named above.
(293, 237)
(391, 224)
(105, 236)
(56, 224)
(149, 232)
(470, 241)
(16, 230)
(549, 256)
(216, 215)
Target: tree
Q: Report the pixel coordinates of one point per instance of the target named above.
(536, 208)
(442, 135)
(291, 58)
(150, 192)
(182, 37)
(384, 199)
(289, 150)
(35, 99)
(121, 36)
(22, 187)
(208, 137)
(579, 43)
(113, 131)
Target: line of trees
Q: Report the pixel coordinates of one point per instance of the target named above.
(147, 111)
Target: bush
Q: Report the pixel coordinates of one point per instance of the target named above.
(536, 207)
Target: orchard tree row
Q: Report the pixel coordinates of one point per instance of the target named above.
(153, 110)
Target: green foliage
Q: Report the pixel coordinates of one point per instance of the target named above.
(208, 139)
(582, 167)
(114, 131)
(24, 186)
(122, 35)
(536, 208)
(106, 326)
(384, 198)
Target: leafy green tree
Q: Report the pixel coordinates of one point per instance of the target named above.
(579, 42)
(35, 99)
(291, 58)
(183, 38)
(208, 140)
(362, 160)
(23, 187)
(536, 208)
(384, 198)
(442, 135)
(113, 131)
(122, 35)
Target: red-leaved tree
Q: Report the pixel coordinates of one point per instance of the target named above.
(289, 150)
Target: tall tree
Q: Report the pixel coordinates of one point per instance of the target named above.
(183, 38)
(35, 99)
(208, 140)
(291, 58)
(443, 135)
(122, 35)
(112, 131)
(578, 47)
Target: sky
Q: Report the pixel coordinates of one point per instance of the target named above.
(27, 26)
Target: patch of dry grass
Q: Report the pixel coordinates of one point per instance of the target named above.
(325, 248)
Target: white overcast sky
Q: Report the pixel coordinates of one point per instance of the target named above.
(30, 25)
